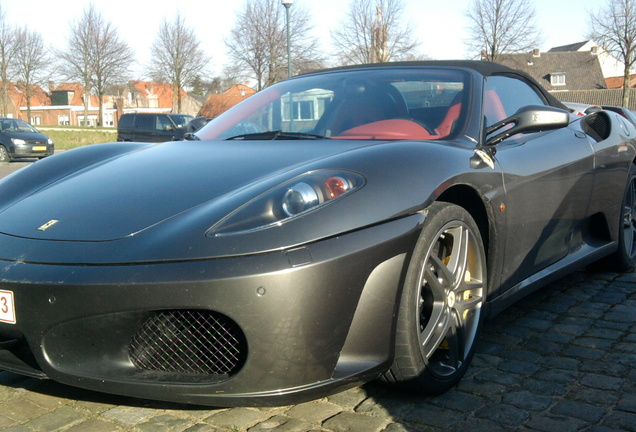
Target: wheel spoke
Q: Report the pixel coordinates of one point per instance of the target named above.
(455, 355)
(442, 273)
(432, 334)
(469, 295)
(458, 254)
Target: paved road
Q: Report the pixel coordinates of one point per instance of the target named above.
(560, 360)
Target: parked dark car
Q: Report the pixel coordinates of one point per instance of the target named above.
(334, 228)
(18, 139)
(622, 111)
(152, 127)
(197, 123)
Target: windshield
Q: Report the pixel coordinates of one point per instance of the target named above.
(181, 120)
(382, 104)
(15, 125)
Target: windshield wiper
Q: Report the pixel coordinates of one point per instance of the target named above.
(277, 135)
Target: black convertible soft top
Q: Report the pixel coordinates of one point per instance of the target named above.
(482, 67)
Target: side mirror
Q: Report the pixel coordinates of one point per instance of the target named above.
(190, 136)
(531, 118)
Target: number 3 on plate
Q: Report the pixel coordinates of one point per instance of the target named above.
(7, 309)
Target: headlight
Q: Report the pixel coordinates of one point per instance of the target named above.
(18, 141)
(50, 141)
(288, 201)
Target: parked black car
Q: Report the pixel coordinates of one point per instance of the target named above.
(152, 127)
(18, 139)
(334, 228)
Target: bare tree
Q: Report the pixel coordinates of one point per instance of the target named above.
(111, 59)
(502, 27)
(31, 61)
(96, 56)
(7, 51)
(373, 32)
(77, 61)
(257, 44)
(614, 28)
(177, 56)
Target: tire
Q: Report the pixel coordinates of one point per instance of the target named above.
(625, 257)
(4, 154)
(441, 306)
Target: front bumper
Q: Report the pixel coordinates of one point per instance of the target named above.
(31, 150)
(303, 322)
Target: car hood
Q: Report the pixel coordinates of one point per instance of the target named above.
(122, 195)
(27, 136)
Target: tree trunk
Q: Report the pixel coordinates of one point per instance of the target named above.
(87, 100)
(27, 93)
(100, 115)
(175, 98)
(626, 87)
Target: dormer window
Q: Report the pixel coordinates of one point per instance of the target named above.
(557, 79)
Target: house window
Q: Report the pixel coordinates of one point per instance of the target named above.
(108, 120)
(63, 120)
(36, 120)
(557, 79)
(302, 110)
(92, 120)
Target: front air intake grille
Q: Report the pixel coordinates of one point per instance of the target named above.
(189, 341)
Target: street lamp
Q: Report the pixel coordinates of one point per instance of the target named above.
(287, 4)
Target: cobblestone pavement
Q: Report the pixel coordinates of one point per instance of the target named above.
(560, 360)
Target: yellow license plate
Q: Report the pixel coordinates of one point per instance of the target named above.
(39, 148)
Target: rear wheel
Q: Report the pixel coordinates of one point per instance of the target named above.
(440, 311)
(625, 257)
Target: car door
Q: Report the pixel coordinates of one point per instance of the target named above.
(145, 128)
(547, 177)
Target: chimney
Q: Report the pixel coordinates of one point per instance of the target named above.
(536, 52)
(51, 86)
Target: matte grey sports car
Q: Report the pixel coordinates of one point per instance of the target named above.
(335, 228)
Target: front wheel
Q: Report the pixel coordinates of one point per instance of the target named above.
(441, 307)
(4, 154)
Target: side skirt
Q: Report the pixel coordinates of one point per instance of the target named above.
(584, 256)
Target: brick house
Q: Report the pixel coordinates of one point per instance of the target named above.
(66, 108)
(560, 71)
(16, 100)
(572, 75)
(216, 104)
(64, 104)
(611, 66)
(149, 96)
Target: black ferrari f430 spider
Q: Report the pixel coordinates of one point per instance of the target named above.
(334, 228)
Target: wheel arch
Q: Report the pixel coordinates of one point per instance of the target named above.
(468, 198)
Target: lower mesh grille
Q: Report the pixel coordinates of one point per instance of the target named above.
(189, 341)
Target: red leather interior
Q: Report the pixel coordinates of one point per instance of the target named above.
(394, 129)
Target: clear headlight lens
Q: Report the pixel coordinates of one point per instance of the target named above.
(290, 200)
(299, 198)
(18, 141)
(50, 141)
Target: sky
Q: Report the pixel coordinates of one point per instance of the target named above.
(441, 26)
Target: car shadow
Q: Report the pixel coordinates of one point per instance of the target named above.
(519, 372)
